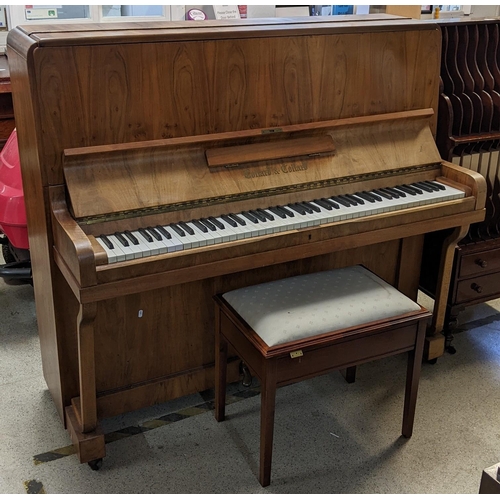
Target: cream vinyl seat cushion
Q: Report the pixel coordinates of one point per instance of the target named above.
(303, 306)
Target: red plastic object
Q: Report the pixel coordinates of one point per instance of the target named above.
(12, 209)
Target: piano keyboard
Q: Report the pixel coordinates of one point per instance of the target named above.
(144, 242)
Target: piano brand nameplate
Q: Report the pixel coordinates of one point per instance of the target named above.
(278, 169)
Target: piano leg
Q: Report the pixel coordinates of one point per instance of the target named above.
(81, 416)
(435, 340)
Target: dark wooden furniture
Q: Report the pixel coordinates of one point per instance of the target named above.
(490, 480)
(312, 355)
(7, 123)
(122, 128)
(468, 134)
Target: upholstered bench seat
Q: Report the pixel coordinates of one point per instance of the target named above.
(294, 308)
(300, 327)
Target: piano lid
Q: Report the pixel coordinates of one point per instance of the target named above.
(197, 171)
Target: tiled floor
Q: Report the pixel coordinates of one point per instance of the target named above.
(330, 437)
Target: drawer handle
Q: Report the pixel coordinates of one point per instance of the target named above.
(477, 288)
(481, 263)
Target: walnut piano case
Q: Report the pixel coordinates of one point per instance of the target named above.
(144, 126)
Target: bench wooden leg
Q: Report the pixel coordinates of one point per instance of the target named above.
(349, 374)
(220, 372)
(412, 379)
(268, 402)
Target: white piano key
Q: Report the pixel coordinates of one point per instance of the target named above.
(136, 249)
(186, 240)
(227, 233)
(126, 252)
(173, 244)
(146, 247)
(206, 238)
(198, 238)
(109, 252)
(213, 235)
(160, 244)
(239, 231)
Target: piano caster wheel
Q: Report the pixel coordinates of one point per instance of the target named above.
(95, 464)
(451, 350)
(247, 376)
(432, 361)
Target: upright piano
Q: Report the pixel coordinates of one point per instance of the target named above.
(166, 162)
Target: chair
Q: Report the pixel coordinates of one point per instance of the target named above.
(296, 328)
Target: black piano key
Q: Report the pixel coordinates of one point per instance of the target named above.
(396, 192)
(342, 201)
(266, 214)
(439, 186)
(286, 211)
(121, 239)
(411, 186)
(228, 219)
(255, 213)
(208, 224)
(131, 237)
(355, 199)
(311, 206)
(323, 204)
(406, 190)
(278, 212)
(238, 219)
(366, 196)
(304, 207)
(423, 186)
(164, 232)
(200, 226)
(297, 208)
(178, 230)
(185, 227)
(331, 203)
(146, 235)
(352, 203)
(430, 185)
(383, 194)
(374, 195)
(216, 222)
(250, 217)
(107, 242)
(156, 235)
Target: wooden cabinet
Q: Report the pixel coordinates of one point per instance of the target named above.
(468, 134)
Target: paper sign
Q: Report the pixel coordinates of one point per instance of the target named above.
(226, 12)
(41, 14)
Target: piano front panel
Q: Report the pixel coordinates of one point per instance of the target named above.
(143, 337)
(121, 93)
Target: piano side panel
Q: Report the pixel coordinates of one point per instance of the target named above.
(144, 91)
(39, 230)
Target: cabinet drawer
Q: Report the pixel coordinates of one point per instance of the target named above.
(480, 263)
(481, 286)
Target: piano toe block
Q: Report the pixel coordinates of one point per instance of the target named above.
(89, 445)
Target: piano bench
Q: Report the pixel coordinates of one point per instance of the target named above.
(296, 328)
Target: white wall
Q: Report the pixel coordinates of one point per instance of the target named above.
(485, 11)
